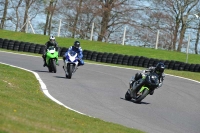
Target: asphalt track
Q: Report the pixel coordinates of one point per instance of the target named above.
(98, 91)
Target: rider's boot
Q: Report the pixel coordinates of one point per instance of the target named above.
(151, 93)
(131, 84)
(45, 64)
(44, 58)
(133, 87)
(57, 63)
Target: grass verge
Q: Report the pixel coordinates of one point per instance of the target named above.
(24, 108)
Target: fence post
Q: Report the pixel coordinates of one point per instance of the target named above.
(92, 32)
(156, 47)
(124, 35)
(187, 48)
(59, 28)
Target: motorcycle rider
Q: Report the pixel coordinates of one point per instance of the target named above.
(51, 42)
(158, 69)
(77, 48)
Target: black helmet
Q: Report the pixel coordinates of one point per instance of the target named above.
(77, 44)
(160, 67)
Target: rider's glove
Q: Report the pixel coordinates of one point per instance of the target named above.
(160, 84)
(64, 57)
(43, 55)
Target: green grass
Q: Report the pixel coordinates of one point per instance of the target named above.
(104, 47)
(24, 108)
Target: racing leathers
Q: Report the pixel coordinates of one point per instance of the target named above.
(144, 72)
(79, 52)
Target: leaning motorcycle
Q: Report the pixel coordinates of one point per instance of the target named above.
(52, 59)
(142, 87)
(70, 64)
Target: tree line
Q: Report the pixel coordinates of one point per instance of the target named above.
(176, 20)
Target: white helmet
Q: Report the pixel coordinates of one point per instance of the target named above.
(52, 38)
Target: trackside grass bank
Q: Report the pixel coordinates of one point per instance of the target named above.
(25, 109)
(103, 47)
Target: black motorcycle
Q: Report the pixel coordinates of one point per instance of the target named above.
(142, 87)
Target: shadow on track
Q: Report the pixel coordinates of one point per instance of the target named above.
(133, 101)
(60, 77)
(43, 71)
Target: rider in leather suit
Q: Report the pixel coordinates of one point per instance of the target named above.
(51, 42)
(159, 69)
(76, 47)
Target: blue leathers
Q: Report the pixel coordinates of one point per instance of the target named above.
(79, 51)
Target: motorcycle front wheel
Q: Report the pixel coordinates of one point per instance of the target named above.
(70, 71)
(52, 66)
(140, 97)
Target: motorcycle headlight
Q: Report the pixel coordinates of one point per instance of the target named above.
(154, 79)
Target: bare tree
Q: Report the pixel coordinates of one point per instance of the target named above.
(93, 11)
(47, 17)
(76, 17)
(197, 27)
(197, 38)
(4, 14)
(109, 15)
(15, 6)
(50, 12)
(179, 12)
(29, 5)
(51, 16)
(187, 9)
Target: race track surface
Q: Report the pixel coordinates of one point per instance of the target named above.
(98, 91)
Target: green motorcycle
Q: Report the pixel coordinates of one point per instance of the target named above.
(52, 59)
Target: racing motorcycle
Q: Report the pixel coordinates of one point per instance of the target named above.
(70, 64)
(142, 87)
(52, 59)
